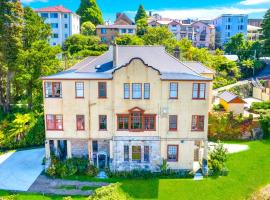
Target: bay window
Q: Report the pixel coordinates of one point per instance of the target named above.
(53, 90)
(136, 121)
(122, 122)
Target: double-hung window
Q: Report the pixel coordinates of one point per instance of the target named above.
(102, 122)
(149, 122)
(136, 153)
(122, 122)
(136, 90)
(79, 87)
(126, 90)
(197, 123)
(136, 121)
(126, 153)
(54, 122)
(80, 122)
(146, 153)
(172, 153)
(198, 91)
(173, 90)
(53, 90)
(102, 90)
(53, 15)
(147, 91)
(173, 122)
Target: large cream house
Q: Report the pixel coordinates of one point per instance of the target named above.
(129, 108)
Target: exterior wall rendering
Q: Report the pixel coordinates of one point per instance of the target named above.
(135, 119)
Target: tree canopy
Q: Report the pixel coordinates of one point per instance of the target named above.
(141, 13)
(88, 28)
(266, 33)
(129, 40)
(90, 11)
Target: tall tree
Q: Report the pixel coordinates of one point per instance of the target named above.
(89, 11)
(11, 13)
(141, 26)
(37, 57)
(266, 33)
(141, 14)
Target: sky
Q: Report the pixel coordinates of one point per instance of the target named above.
(176, 9)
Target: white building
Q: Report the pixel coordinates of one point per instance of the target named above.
(64, 23)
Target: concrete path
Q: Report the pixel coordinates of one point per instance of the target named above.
(46, 185)
(19, 170)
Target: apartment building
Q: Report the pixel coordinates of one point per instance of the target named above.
(108, 33)
(204, 35)
(64, 23)
(200, 33)
(129, 108)
(228, 25)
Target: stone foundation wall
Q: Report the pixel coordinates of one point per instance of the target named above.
(118, 162)
(79, 148)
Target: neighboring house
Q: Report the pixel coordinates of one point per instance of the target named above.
(254, 33)
(204, 36)
(129, 108)
(255, 22)
(64, 23)
(123, 19)
(108, 33)
(231, 102)
(260, 91)
(122, 25)
(228, 25)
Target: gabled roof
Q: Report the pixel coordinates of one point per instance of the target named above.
(117, 57)
(230, 97)
(59, 8)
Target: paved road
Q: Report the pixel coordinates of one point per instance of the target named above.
(20, 169)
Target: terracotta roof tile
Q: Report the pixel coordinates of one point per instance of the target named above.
(59, 8)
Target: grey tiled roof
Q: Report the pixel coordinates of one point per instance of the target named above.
(153, 56)
(198, 67)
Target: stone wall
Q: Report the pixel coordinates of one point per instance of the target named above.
(118, 162)
(79, 148)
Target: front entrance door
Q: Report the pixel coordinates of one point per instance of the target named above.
(101, 160)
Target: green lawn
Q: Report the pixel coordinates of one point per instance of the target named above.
(249, 171)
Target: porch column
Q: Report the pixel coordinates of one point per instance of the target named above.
(47, 149)
(69, 149)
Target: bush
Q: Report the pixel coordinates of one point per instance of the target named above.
(265, 125)
(20, 130)
(70, 167)
(226, 126)
(217, 159)
(260, 105)
(110, 192)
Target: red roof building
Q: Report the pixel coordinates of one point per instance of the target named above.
(58, 8)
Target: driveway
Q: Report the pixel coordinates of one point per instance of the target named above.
(19, 170)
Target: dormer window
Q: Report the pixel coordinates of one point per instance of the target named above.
(53, 90)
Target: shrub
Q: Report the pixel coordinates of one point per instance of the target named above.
(110, 192)
(91, 170)
(260, 105)
(217, 159)
(265, 125)
(69, 167)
